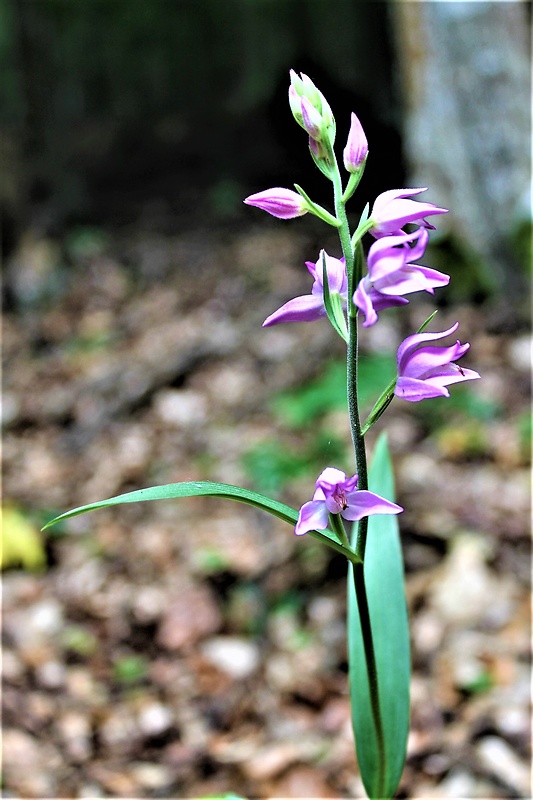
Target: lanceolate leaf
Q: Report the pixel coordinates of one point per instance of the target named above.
(381, 763)
(206, 488)
(333, 304)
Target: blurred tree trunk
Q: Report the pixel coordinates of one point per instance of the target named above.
(466, 84)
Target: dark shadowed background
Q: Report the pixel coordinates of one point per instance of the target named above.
(175, 110)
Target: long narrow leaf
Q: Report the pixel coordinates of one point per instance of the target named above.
(380, 762)
(209, 488)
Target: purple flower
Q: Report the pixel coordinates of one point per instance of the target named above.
(356, 149)
(309, 307)
(392, 275)
(337, 494)
(391, 211)
(281, 203)
(424, 372)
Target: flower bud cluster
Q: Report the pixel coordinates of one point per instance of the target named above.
(312, 112)
(310, 108)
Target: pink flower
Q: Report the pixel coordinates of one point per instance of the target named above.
(356, 149)
(337, 494)
(309, 307)
(281, 203)
(424, 372)
(391, 274)
(391, 211)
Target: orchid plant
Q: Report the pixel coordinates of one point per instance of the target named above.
(347, 290)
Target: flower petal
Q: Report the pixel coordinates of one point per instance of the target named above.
(413, 278)
(306, 308)
(364, 504)
(363, 302)
(312, 516)
(452, 373)
(413, 390)
(427, 361)
(336, 271)
(392, 210)
(386, 255)
(329, 478)
(411, 343)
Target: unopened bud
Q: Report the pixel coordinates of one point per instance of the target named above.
(281, 203)
(356, 149)
(312, 121)
(310, 108)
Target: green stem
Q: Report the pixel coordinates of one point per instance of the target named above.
(354, 267)
(353, 254)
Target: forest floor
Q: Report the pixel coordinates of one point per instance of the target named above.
(193, 648)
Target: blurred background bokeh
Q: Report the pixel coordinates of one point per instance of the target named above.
(172, 110)
(194, 650)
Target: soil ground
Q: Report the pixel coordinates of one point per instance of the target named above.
(193, 648)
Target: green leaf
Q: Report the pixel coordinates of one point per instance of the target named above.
(427, 321)
(380, 406)
(383, 575)
(209, 488)
(333, 304)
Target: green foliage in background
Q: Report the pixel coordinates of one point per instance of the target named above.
(459, 424)
(298, 407)
(275, 462)
(129, 670)
(135, 57)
